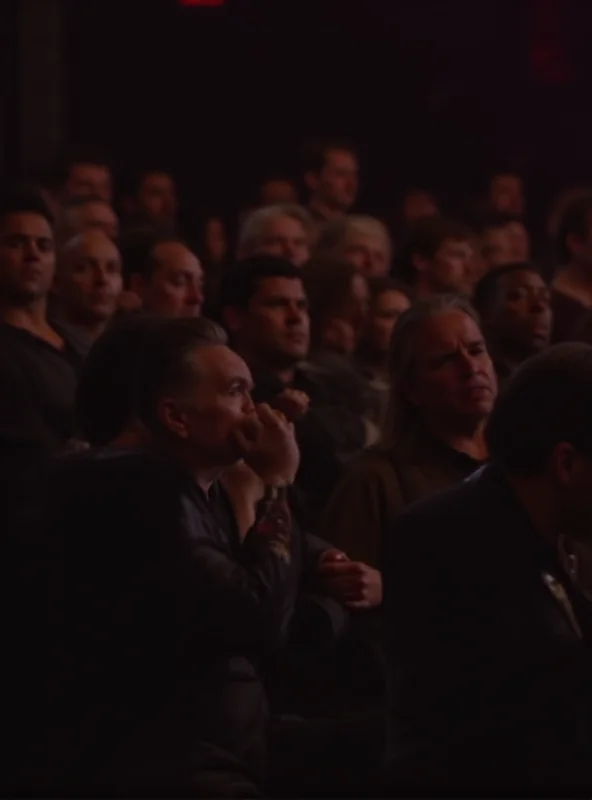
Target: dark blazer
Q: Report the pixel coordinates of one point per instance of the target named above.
(143, 621)
(489, 678)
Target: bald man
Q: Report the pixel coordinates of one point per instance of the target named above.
(88, 284)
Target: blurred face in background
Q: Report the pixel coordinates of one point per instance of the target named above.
(341, 329)
(417, 205)
(506, 194)
(336, 185)
(369, 253)
(286, 237)
(215, 241)
(157, 198)
(89, 279)
(452, 268)
(92, 215)
(84, 179)
(176, 286)
(385, 310)
(277, 192)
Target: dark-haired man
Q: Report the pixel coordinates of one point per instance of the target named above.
(514, 304)
(331, 177)
(489, 686)
(37, 365)
(165, 275)
(85, 172)
(265, 309)
(151, 201)
(504, 240)
(79, 214)
(438, 257)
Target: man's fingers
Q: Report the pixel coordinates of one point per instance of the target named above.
(331, 567)
(358, 605)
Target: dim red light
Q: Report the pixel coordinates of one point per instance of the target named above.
(208, 3)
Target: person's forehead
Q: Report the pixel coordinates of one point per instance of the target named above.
(98, 209)
(97, 244)
(280, 287)
(443, 327)
(219, 361)
(26, 222)
(455, 242)
(86, 168)
(175, 255)
(340, 158)
(158, 180)
(285, 222)
(522, 277)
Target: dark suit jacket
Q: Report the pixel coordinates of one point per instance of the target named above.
(489, 686)
(143, 621)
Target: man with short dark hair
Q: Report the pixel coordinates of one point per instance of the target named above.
(488, 661)
(504, 240)
(85, 171)
(331, 177)
(265, 309)
(438, 257)
(515, 309)
(165, 274)
(151, 201)
(37, 364)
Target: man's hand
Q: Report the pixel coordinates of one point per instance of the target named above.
(353, 583)
(268, 446)
(292, 403)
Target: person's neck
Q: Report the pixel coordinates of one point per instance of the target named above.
(464, 436)
(92, 328)
(31, 317)
(285, 374)
(320, 208)
(538, 500)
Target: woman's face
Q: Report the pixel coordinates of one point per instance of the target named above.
(388, 307)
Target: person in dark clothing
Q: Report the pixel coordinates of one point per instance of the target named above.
(266, 311)
(514, 305)
(488, 662)
(37, 365)
(168, 618)
(571, 296)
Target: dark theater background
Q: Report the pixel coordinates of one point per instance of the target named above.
(221, 92)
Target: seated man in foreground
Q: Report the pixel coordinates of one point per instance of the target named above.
(488, 668)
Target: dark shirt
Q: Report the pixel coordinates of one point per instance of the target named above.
(567, 311)
(381, 483)
(489, 680)
(37, 395)
(329, 436)
(148, 625)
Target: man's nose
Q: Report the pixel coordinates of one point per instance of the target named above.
(32, 252)
(195, 295)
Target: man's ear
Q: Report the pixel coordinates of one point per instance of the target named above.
(173, 417)
(233, 319)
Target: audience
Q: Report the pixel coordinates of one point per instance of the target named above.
(515, 309)
(363, 241)
(488, 659)
(173, 624)
(277, 230)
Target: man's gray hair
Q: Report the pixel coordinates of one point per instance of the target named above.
(254, 228)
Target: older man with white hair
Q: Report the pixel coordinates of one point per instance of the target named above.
(279, 230)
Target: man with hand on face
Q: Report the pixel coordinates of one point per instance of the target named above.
(195, 606)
